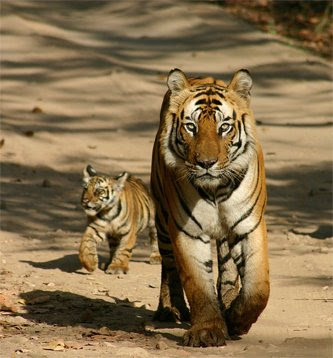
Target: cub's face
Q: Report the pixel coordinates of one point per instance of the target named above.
(209, 134)
(99, 191)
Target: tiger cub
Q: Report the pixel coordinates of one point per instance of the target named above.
(117, 209)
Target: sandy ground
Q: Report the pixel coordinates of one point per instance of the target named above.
(82, 82)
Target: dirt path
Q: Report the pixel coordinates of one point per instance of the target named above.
(82, 82)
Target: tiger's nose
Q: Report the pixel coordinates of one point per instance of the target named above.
(206, 163)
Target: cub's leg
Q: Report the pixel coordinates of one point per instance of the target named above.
(172, 306)
(155, 257)
(88, 248)
(193, 257)
(121, 251)
(250, 255)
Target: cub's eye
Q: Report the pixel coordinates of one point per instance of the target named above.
(190, 127)
(224, 127)
(84, 185)
(99, 191)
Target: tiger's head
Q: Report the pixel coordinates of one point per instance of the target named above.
(100, 191)
(208, 132)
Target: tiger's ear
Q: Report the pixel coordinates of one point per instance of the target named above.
(88, 172)
(121, 179)
(177, 81)
(241, 83)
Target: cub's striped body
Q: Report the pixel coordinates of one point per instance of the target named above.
(208, 182)
(117, 210)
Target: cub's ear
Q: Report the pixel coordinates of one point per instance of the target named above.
(177, 81)
(241, 83)
(88, 172)
(121, 179)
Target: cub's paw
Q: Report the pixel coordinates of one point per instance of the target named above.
(172, 314)
(155, 258)
(89, 261)
(115, 269)
(204, 337)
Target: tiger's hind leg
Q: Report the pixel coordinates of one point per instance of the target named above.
(88, 248)
(172, 306)
(250, 255)
(120, 252)
(155, 257)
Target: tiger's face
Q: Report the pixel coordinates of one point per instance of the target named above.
(99, 191)
(209, 132)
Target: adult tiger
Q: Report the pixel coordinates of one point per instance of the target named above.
(208, 183)
(117, 210)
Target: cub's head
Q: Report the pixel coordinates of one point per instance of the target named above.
(208, 133)
(100, 191)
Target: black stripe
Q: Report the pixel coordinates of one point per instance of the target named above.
(209, 266)
(173, 140)
(201, 101)
(96, 232)
(248, 212)
(243, 121)
(238, 144)
(216, 101)
(257, 224)
(237, 240)
(221, 94)
(189, 235)
(208, 263)
(198, 94)
(225, 259)
(185, 207)
(229, 282)
(246, 147)
(205, 196)
(125, 233)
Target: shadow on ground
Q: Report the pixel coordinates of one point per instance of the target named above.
(302, 196)
(67, 309)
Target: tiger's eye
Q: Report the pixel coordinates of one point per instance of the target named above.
(190, 127)
(223, 128)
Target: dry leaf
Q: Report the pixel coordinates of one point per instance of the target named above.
(58, 345)
(37, 110)
(73, 345)
(46, 183)
(29, 133)
(6, 304)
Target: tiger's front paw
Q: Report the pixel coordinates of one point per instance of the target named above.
(208, 336)
(114, 269)
(155, 258)
(89, 261)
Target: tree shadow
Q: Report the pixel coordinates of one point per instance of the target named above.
(67, 309)
(301, 196)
